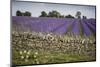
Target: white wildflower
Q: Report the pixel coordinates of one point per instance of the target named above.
(22, 57)
(34, 56)
(36, 53)
(24, 51)
(28, 52)
(37, 62)
(20, 52)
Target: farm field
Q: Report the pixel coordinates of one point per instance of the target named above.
(84, 27)
(52, 40)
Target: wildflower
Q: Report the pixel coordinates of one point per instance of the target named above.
(28, 52)
(34, 56)
(24, 51)
(22, 57)
(20, 52)
(37, 62)
(36, 53)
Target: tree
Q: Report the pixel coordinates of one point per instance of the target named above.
(43, 14)
(18, 13)
(84, 17)
(78, 15)
(27, 13)
(54, 14)
(61, 16)
(50, 14)
(69, 16)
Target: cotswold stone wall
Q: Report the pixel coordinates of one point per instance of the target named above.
(50, 42)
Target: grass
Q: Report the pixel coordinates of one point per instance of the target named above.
(50, 57)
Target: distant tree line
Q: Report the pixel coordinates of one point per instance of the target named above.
(53, 13)
(58, 15)
(19, 13)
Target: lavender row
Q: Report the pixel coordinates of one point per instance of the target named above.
(55, 25)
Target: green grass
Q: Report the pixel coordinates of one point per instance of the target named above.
(50, 57)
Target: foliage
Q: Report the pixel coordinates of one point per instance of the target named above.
(27, 13)
(78, 15)
(84, 17)
(43, 14)
(69, 16)
(53, 13)
(19, 13)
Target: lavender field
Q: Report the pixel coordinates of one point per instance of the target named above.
(52, 40)
(85, 27)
